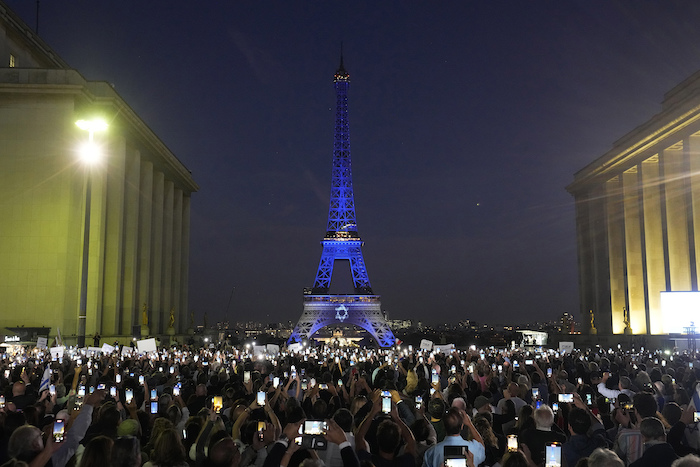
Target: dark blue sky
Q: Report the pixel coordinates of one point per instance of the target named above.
(467, 120)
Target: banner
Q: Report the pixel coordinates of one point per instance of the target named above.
(444, 348)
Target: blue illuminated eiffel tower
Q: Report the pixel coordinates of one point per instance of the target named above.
(342, 242)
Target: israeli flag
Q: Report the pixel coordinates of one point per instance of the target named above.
(45, 380)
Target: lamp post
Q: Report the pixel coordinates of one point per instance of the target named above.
(89, 153)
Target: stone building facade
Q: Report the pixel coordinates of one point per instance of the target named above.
(638, 218)
(139, 209)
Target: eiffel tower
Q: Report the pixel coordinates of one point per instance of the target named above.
(342, 242)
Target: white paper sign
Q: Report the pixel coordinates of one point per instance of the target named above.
(294, 347)
(444, 348)
(147, 345)
(57, 352)
(425, 344)
(566, 346)
(273, 349)
(41, 342)
(126, 350)
(94, 350)
(259, 349)
(107, 349)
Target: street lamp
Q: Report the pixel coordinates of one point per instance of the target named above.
(89, 153)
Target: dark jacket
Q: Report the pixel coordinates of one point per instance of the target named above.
(656, 455)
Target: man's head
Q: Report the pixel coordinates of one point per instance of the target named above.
(645, 405)
(459, 403)
(544, 417)
(343, 417)
(481, 404)
(388, 436)
(436, 408)
(514, 390)
(652, 429)
(625, 383)
(579, 421)
(25, 443)
(224, 453)
(452, 421)
(602, 457)
(18, 388)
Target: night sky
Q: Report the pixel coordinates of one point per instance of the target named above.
(467, 120)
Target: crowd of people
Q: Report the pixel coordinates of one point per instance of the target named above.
(338, 407)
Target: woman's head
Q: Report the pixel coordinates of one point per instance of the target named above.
(126, 452)
(97, 452)
(168, 450)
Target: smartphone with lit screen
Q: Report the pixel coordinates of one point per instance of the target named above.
(386, 402)
(552, 455)
(59, 428)
(154, 407)
(261, 398)
(217, 404)
(129, 394)
(512, 443)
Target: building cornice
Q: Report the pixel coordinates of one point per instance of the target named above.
(660, 132)
(102, 96)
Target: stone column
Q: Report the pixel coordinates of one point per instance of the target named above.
(676, 219)
(185, 262)
(655, 264)
(694, 160)
(145, 240)
(130, 304)
(157, 253)
(616, 249)
(113, 238)
(633, 253)
(177, 259)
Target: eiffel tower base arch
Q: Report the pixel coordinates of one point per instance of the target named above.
(364, 311)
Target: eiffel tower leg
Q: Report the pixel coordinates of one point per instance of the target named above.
(312, 319)
(364, 312)
(373, 321)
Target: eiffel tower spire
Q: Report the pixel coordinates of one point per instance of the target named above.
(342, 242)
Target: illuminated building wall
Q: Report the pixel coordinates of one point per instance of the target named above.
(140, 209)
(638, 218)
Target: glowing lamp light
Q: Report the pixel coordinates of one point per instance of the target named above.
(93, 125)
(89, 152)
